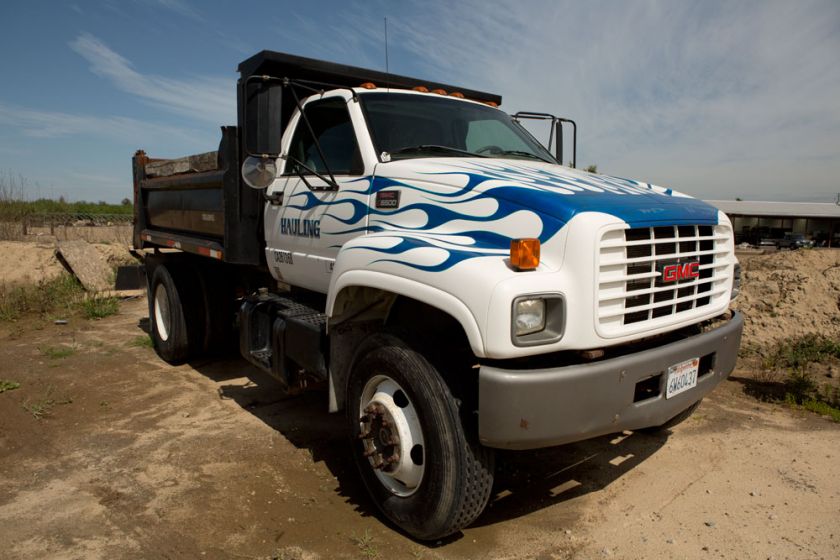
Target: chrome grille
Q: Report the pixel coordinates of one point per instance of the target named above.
(631, 291)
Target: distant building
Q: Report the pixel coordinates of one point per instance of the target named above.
(757, 220)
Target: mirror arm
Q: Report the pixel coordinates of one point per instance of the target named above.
(333, 185)
(314, 138)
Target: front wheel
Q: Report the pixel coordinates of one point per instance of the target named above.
(409, 443)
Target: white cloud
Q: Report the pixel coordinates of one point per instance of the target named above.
(38, 124)
(208, 99)
(718, 99)
(182, 8)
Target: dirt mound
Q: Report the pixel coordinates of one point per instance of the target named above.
(789, 294)
(27, 262)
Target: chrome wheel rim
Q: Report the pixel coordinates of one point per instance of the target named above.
(392, 436)
(162, 312)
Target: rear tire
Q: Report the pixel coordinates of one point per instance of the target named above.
(175, 314)
(409, 443)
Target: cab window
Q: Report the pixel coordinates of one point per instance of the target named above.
(330, 121)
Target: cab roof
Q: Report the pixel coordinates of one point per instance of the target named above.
(283, 65)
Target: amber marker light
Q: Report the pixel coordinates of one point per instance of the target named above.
(525, 253)
(439, 91)
(368, 85)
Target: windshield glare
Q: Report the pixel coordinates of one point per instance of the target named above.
(403, 121)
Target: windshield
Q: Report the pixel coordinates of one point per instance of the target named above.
(411, 126)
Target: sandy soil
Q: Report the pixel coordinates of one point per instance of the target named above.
(790, 293)
(26, 262)
(138, 459)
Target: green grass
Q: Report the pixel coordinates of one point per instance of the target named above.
(56, 298)
(58, 352)
(19, 208)
(796, 354)
(366, 545)
(822, 408)
(43, 406)
(142, 341)
(53, 297)
(813, 405)
(800, 388)
(100, 307)
(6, 385)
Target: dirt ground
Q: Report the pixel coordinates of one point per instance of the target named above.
(133, 458)
(28, 262)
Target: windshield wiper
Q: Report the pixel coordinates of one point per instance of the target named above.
(523, 154)
(434, 148)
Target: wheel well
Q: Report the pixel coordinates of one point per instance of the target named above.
(432, 332)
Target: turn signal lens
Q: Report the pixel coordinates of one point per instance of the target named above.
(525, 253)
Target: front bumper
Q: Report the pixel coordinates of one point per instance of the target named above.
(528, 409)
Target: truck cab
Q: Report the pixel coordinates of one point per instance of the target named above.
(455, 287)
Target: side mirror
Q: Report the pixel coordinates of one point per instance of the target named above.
(259, 172)
(263, 123)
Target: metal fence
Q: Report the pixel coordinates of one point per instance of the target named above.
(52, 221)
(90, 227)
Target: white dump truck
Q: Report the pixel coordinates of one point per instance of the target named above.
(452, 285)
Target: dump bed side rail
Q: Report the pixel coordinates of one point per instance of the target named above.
(199, 205)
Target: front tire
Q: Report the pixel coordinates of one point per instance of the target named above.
(409, 443)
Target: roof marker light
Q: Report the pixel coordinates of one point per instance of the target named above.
(421, 89)
(368, 85)
(439, 91)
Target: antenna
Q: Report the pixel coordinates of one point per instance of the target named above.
(387, 85)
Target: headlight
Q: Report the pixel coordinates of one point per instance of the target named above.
(259, 173)
(537, 319)
(736, 282)
(528, 316)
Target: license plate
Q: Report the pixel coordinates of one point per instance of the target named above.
(682, 377)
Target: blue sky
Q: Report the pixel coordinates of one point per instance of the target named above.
(716, 99)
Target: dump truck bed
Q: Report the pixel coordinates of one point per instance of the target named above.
(198, 204)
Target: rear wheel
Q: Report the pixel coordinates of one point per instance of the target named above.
(175, 314)
(409, 443)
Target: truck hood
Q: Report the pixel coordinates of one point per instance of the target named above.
(550, 191)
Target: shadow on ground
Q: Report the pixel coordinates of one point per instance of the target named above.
(526, 481)
(768, 391)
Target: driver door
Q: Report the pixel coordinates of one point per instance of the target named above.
(308, 220)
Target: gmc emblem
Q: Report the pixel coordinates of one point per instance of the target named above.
(680, 271)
